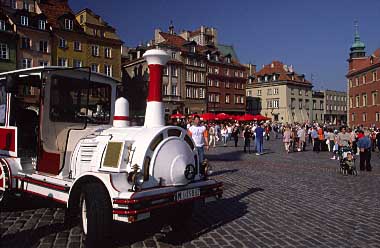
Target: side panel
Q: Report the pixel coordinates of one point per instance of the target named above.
(8, 141)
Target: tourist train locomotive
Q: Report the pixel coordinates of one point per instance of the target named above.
(64, 136)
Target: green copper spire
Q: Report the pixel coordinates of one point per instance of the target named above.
(357, 48)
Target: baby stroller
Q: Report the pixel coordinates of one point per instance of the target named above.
(347, 161)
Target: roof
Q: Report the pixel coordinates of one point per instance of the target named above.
(54, 9)
(227, 49)
(365, 62)
(285, 73)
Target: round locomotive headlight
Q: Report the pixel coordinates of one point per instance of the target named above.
(138, 179)
(208, 170)
(190, 172)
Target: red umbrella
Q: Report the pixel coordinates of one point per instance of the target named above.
(222, 116)
(177, 116)
(208, 116)
(247, 117)
(260, 118)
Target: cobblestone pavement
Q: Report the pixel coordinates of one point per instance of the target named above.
(273, 200)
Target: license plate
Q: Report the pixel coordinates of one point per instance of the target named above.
(187, 194)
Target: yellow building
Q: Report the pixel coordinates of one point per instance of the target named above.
(103, 45)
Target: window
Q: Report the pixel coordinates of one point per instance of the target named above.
(24, 21)
(227, 99)
(228, 60)
(77, 63)
(202, 93)
(69, 24)
(227, 85)
(249, 93)
(300, 92)
(2, 25)
(351, 102)
(62, 62)
(275, 91)
(364, 100)
(95, 32)
(269, 103)
(166, 92)
(68, 102)
(201, 77)
(94, 67)
(259, 92)
(26, 63)
(300, 103)
(307, 107)
(188, 76)
(364, 116)
(374, 98)
(314, 104)
(259, 79)
(276, 103)
(209, 82)
(216, 70)
(216, 83)
(43, 46)
(356, 81)
(377, 116)
(266, 78)
(374, 76)
(4, 51)
(174, 90)
(364, 79)
(108, 70)
(95, 50)
(306, 93)
(41, 24)
(274, 77)
(321, 103)
(174, 71)
(43, 63)
(194, 79)
(174, 56)
(107, 52)
(165, 71)
(269, 92)
(14, 4)
(77, 46)
(62, 43)
(25, 5)
(81, 18)
(25, 42)
(357, 101)
(350, 83)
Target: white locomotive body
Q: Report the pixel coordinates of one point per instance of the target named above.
(65, 140)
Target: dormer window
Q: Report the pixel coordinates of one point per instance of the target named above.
(208, 56)
(41, 24)
(266, 79)
(216, 57)
(192, 49)
(25, 5)
(69, 24)
(2, 25)
(24, 21)
(274, 77)
(371, 60)
(228, 59)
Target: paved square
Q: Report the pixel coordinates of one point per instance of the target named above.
(273, 200)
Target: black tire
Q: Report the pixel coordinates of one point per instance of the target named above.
(181, 217)
(96, 220)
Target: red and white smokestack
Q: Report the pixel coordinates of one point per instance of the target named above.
(154, 115)
(121, 116)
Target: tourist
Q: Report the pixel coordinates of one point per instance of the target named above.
(259, 132)
(200, 137)
(344, 139)
(247, 139)
(364, 145)
(224, 133)
(235, 134)
(212, 134)
(378, 139)
(286, 138)
(229, 132)
(315, 137)
(301, 134)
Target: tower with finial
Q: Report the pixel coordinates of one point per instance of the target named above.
(171, 27)
(357, 48)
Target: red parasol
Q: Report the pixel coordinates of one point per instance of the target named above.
(247, 117)
(177, 116)
(261, 118)
(222, 116)
(208, 116)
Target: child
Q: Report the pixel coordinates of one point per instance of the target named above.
(349, 160)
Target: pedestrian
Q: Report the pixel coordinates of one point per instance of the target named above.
(212, 134)
(301, 133)
(229, 132)
(364, 146)
(314, 136)
(200, 137)
(286, 138)
(247, 133)
(259, 132)
(224, 133)
(235, 134)
(378, 139)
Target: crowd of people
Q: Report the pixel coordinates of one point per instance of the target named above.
(296, 137)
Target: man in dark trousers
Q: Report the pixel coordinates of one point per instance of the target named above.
(364, 145)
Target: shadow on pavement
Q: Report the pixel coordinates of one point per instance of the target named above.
(205, 219)
(26, 202)
(230, 171)
(227, 156)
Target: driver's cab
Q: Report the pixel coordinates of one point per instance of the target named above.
(50, 109)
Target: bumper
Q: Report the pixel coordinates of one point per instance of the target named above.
(139, 206)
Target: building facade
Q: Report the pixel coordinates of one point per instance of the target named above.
(102, 47)
(363, 85)
(335, 107)
(283, 95)
(318, 107)
(8, 43)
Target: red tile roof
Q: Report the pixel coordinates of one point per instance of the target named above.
(360, 64)
(53, 9)
(285, 73)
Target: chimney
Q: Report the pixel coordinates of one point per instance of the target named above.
(154, 115)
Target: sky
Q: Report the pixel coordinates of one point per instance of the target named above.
(312, 35)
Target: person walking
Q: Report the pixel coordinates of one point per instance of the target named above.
(235, 134)
(212, 133)
(247, 139)
(301, 133)
(224, 133)
(259, 132)
(286, 138)
(364, 146)
(314, 136)
(200, 137)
